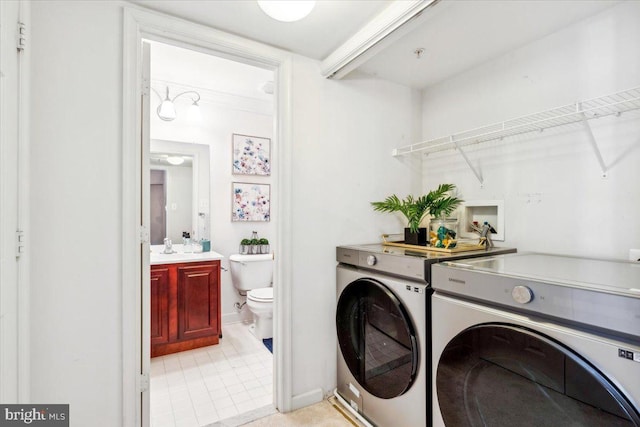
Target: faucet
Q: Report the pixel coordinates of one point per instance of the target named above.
(168, 246)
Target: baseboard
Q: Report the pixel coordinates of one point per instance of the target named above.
(306, 399)
(231, 318)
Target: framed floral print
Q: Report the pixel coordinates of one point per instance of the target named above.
(251, 155)
(251, 202)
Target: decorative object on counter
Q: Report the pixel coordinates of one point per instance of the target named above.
(460, 246)
(245, 246)
(254, 245)
(251, 155)
(485, 233)
(437, 203)
(168, 246)
(443, 237)
(251, 202)
(206, 245)
(264, 246)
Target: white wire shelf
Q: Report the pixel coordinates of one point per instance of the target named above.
(614, 104)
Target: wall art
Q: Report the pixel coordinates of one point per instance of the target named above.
(251, 155)
(251, 202)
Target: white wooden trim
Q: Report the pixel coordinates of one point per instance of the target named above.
(387, 27)
(8, 213)
(14, 206)
(283, 350)
(138, 24)
(24, 183)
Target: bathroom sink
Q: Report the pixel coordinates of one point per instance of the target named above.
(159, 257)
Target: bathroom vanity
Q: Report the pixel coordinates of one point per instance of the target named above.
(185, 301)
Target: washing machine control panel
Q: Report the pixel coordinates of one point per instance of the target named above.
(404, 266)
(522, 294)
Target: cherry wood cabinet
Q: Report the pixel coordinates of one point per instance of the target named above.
(185, 306)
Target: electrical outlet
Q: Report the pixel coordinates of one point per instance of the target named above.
(634, 254)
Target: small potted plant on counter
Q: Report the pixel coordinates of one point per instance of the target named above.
(245, 246)
(264, 246)
(437, 201)
(255, 246)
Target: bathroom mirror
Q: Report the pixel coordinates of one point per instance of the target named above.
(179, 190)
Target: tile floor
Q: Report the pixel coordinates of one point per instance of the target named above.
(199, 387)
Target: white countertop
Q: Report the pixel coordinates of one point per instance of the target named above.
(159, 257)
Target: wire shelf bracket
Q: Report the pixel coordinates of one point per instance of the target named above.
(579, 112)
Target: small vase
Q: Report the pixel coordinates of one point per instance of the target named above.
(441, 229)
(419, 238)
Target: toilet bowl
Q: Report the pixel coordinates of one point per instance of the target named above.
(260, 302)
(251, 276)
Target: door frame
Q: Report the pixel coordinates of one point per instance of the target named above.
(142, 24)
(15, 349)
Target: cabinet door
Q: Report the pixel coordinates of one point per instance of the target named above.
(159, 305)
(198, 296)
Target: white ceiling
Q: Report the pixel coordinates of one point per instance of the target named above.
(459, 35)
(456, 35)
(330, 23)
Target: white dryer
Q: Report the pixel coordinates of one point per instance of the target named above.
(536, 340)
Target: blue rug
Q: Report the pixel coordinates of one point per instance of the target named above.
(268, 342)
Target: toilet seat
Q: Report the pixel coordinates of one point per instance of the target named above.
(261, 295)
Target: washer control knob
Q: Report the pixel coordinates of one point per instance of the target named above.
(371, 260)
(522, 294)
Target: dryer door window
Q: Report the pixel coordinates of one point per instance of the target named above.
(377, 338)
(505, 375)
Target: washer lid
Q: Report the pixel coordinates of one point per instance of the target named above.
(261, 295)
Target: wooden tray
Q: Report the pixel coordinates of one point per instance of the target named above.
(460, 246)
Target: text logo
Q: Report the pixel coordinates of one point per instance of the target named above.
(34, 415)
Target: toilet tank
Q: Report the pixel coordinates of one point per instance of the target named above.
(251, 271)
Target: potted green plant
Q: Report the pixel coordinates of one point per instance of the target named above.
(255, 247)
(436, 202)
(244, 246)
(264, 245)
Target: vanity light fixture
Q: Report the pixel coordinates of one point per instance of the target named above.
(175, 160)
(167, 108)
(288, 10)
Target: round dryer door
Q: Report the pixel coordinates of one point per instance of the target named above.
(377, 338)
(505, 375)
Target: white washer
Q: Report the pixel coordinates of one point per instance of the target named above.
(536, 340)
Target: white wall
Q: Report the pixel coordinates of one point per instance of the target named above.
(343, 133)
(555, 199)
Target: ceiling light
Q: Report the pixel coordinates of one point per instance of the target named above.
(167, 108)
(288, 10)
(175, 160)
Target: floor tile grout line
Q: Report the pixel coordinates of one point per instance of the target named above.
(244, 354)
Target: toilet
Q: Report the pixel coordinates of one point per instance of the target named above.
(252, 276)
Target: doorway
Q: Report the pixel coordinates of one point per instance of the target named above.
(139, 24)
(235, 377)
